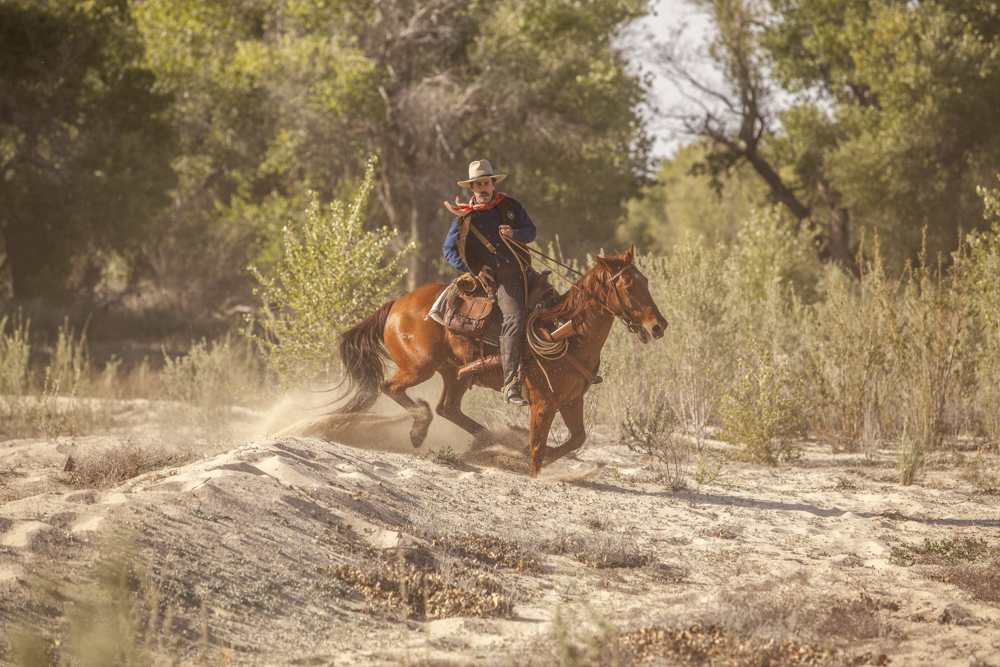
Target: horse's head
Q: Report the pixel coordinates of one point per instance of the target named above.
(629, 297)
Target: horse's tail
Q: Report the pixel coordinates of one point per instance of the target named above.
(362, 350)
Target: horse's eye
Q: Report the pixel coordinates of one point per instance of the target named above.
(629, 289)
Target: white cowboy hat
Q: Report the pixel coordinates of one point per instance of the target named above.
(480, 169)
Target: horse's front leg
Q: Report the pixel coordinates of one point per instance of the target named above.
(542, 414)
(572, 414)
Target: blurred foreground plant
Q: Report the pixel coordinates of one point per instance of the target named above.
(333, 274)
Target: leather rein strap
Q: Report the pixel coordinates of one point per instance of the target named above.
(632, 326)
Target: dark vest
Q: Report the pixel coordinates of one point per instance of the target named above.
(506, 208)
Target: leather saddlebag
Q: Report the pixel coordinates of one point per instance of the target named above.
(468, 316)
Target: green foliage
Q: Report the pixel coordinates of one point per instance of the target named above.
(911, 98)
(273, 101)
(333, 274)
(762, 410)
(15, 352)
(85, 147)
(859, 116)
(444, 455)
(682, 202)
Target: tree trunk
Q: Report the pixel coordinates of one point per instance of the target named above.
(22, 257)
(839, 223)
(418, 260)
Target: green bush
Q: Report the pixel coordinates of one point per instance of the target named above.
(761, 411)
(333, 274)
(14, 353)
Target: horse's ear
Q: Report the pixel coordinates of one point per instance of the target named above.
(629, 254)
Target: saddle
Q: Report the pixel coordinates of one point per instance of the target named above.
(469, 311)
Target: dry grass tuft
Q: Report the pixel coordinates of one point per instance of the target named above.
(980, 580)
(489, 550)
(112, 466)
(728, 530)
(610, 550)
(713, 645)
(944, 552)
(788, 610)
(418, 585)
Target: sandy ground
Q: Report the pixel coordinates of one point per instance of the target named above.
(246, 554)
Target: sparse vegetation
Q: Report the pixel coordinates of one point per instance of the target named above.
(419, 584)
(651, 434)
(111, 466)
(443, 455)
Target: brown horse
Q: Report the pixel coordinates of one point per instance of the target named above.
(399, 329)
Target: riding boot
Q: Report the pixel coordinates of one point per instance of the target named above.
(510, 357)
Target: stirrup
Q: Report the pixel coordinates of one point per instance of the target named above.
(513, 397)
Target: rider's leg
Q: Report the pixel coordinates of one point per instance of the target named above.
(510, 299)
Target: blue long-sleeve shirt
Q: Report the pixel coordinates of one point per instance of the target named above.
(488, 223)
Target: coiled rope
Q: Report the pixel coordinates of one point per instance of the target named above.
(542, 348)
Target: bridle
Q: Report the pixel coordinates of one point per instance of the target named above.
(626, 320)
(613, 280)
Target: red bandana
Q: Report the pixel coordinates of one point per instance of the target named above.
(463, 208)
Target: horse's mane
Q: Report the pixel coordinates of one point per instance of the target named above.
(593, 286)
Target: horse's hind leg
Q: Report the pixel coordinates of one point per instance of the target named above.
(395, 388)
(450, 404)
(572, 414)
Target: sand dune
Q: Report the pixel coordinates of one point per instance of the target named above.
(253, 532)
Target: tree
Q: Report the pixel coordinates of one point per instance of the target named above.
(683, 202)
(887, 119)
(278, 98)
(85, 149)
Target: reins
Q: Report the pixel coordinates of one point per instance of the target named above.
(632, 326)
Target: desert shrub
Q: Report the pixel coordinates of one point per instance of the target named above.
(978, 265)
(419, 584)
(212, 376)
(980, 580)
(333, 273)
(762, 411)
(943, 552)
(935, 308)
(707, 467)
(982, 474)
(69, 364)
(650, 432)
(107, 467)
(445, 455)
(608, 547)
(15, 352)
(911, 457)
(691, 293)
(852, 358)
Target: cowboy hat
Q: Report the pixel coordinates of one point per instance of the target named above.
(480, 169)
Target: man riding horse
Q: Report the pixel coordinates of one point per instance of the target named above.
(478, 243)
